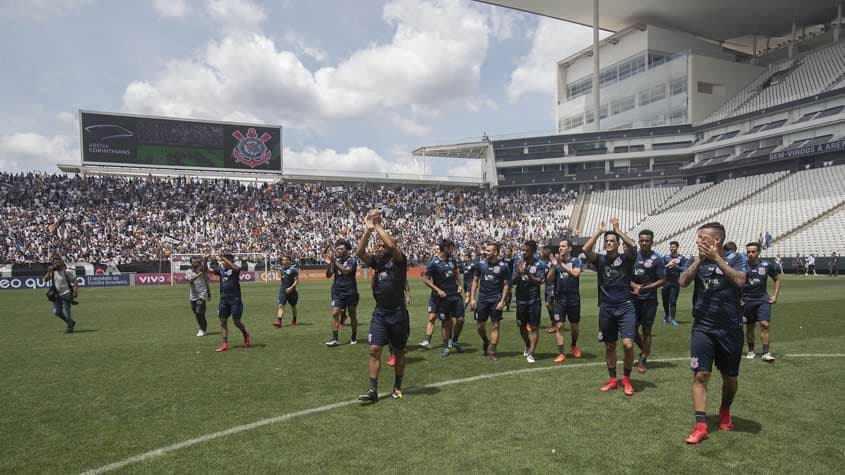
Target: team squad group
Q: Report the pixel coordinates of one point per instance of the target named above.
(730, 292)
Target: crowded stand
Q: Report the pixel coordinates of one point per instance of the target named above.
(118, 220)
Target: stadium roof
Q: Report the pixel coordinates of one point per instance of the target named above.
(460, 150)
(713, 19)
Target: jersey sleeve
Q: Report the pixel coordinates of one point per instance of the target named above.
(429, 269)
(577, 263)
(740, 263)
(773, 271)
(294, 273)
(352, 263)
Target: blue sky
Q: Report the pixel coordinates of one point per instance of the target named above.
(357, 85)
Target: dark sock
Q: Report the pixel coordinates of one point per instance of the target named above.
(374, 384)
(428, 338)
(354, 335)
(447, 343)
(334, 335)
(485, 340)
(701, 417)
(493, 347)
(561, 349)
(397, 381)
(726, 403)
(626, 372)
(643, 358)
(574, 341)
(391, 350)
(225, 339)
(456, 335)
(612, 372)
(765, 348)
(751, 347)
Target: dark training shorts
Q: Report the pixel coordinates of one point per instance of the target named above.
(645, 310)
(344, 301)
(198, 307)
(757, 311)
(230, 307)
(291, 298)
(451, 306)
(390, 326)
(724, 345)
(564, 311)
(487, 310)
(528, 313)
(616, 320)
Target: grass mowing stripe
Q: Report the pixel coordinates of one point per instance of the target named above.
(274, 420)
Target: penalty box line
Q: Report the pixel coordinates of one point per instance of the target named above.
(315, 410)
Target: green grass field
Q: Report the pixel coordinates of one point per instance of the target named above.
(135, 378)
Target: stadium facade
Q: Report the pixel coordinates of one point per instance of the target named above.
(689, 96)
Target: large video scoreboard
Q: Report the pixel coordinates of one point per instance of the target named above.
(134, 140)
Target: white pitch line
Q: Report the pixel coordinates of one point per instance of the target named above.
(275, 420)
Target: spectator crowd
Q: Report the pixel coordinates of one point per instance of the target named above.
(119, 220)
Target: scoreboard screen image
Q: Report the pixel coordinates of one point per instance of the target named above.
(131, 140)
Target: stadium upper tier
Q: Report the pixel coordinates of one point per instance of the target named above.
(815, 72)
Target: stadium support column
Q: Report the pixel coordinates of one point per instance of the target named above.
(596, 98)
(489, 174)
(838, 22)
(754, 48)
(794, 39)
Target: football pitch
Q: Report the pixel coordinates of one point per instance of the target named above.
(134, 390)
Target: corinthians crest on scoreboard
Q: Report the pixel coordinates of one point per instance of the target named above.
(251, 150)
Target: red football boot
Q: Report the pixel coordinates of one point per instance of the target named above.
(626, 386)
(613, 383)
(725, 421)
(698, 434)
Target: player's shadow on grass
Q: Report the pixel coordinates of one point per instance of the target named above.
(412, 359)
(422, 391)
(85, 330)
(741, 424)
(255, 345)
(661, 364)
(639, 385)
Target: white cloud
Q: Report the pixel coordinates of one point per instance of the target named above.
(552, 41)
(469, 168)
(171, 8)
(299, 42)
(433, 59)
(475, 104)
(66, 118)
(410, 126)
(30, 151)
(37, 9)
(237, 15)
(354, 160)
(502, 21)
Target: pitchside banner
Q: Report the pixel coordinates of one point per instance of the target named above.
(130, 140)
(179, 278)
(14, 283)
